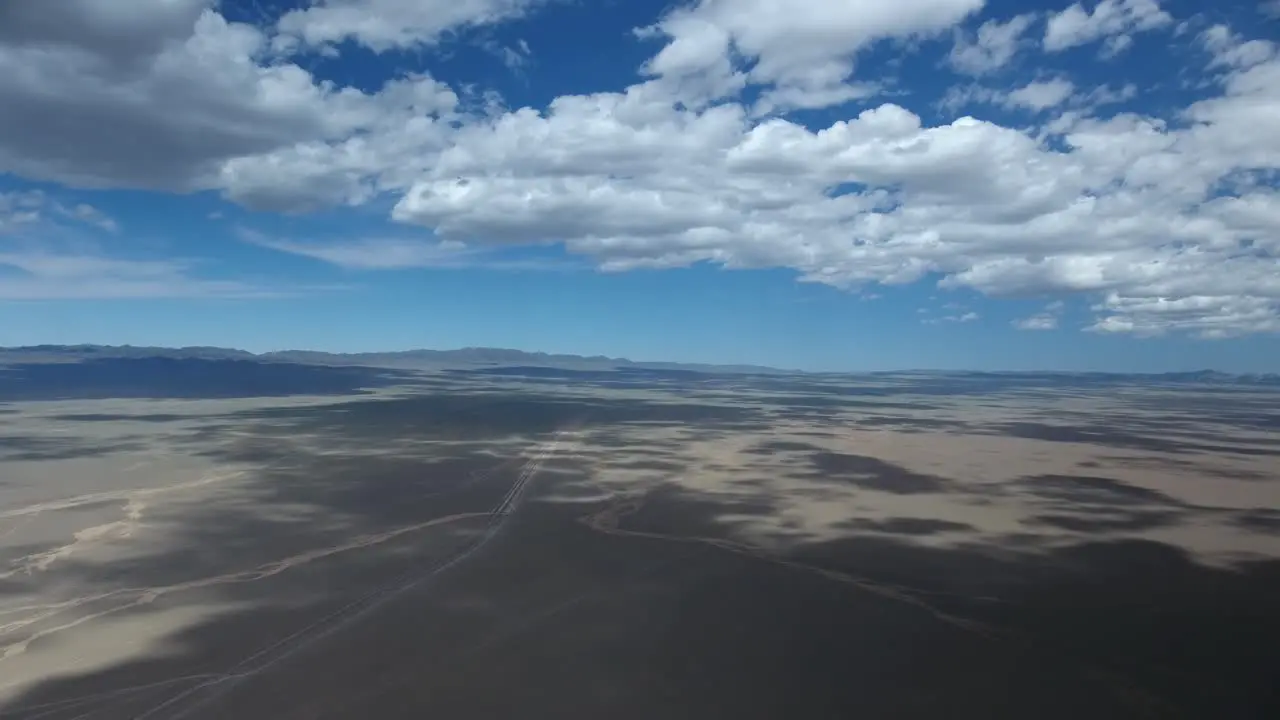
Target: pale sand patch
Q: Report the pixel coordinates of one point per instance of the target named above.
(980, 470)
(102, 644)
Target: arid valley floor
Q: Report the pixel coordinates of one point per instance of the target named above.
(285, 541)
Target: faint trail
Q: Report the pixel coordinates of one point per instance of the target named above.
(502, 635)
(147, 595)
(88, 537)
(512, 498)
(28, 513)
(56, 705)
(17, 524)
(474, 478)
(82, 716)
(608, 519)
(125, 495)
(533, 619)
(366, 604)
(263, 571)
(134, 505)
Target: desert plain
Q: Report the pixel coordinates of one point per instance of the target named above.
(490, 542)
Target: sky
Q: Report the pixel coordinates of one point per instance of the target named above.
(812, 184)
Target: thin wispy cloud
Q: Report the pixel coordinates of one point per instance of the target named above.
(391, 253)
(1046, 319)
(54, 276)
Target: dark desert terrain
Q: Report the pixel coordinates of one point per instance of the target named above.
(223, 536)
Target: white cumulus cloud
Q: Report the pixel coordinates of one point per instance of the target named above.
(991, 47)
(394, 24)
(802, 52)
(1112, 20)
(1041, 94)
(168, 95)
(1123, 208)
(1164, 222)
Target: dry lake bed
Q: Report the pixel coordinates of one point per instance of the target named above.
(216, 539)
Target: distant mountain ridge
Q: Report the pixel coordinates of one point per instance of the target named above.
(1182, 376)
(505, 357)
(396, 359)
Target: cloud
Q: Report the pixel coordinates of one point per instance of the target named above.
(383, 25)
(965, 317)
(1230, 50)
(800, 52)
(18, 209)
(1123, 206)
(991, 47)
(1036, 96)
(392, 138)
(1037, 322)
(168, 95)
(29, 208)
(391, 253)
(515, 57)
(55, 249)
(1041, 94)
(44, 275)
(368, 253)
(1112, 20)
(1060, 94)
(89, 214)
(1046, 319)
(1166, 223)
(1107, 95)
(1207, 316)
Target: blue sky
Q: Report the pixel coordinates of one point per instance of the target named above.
(820, 184)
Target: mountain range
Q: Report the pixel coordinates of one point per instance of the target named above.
(406, 359)
(504, 357)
